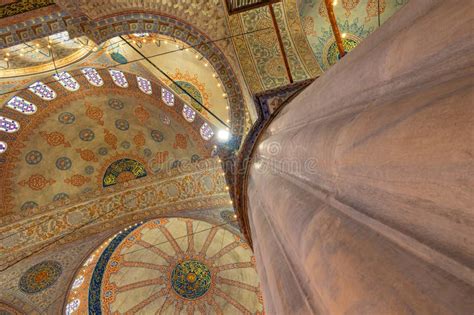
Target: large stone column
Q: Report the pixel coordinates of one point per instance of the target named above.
(361, 193)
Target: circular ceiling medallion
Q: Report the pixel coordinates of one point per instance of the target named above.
(122, 124)
(63, 163)
(199, 269)
(86, 135)
(33, 157)
(40, 277)
(66, 118)
(116, 104)
(191, 279)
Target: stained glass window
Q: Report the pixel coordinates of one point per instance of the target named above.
(188, 113)
(144, 85)
(92, 76)
(89, 260)
(119, 78)
(206, 131)
(167, 97)
(3, 147)
(141, 34)
(43, 91)
(72, 306)
(21, 105)
(78, 282)
(67, 81)
(8, 125)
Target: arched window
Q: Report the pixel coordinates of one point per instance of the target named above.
(23, 106)
(67, 81)
(206, 131)
(42, 90)
(119, 78)
(3, 147)
(144, 85)
(167, 97)
(78, 282)
(72, 306)
(89, 260)
(9, 125)
(188, 113)
(93, 76)
(141, 34)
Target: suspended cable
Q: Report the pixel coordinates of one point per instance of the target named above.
(151, 56)
(152, 245)
(173, 81)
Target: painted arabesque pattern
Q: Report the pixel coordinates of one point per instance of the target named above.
(85, 136)
(133, 271)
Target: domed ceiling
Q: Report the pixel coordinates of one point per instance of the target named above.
(168, 266)
(185, 66)
(356, 19)
(94, 137)
(191, 70)
(41, 55)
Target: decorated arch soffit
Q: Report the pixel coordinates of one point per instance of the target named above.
(218, 53)
(170, 264)
(32, 58)
(195, 189)
(85, 140)
(258, 51)
(49, 274)
(356, 19)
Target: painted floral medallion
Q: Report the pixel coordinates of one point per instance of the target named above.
(191, 279)
(66, 118)
(40, 277)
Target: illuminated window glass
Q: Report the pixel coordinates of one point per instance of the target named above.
(21, 105)
(92, 76)
(43, 91)
(8, 125)
(3, 147)
(167, 97)
(188, 113)
(78, 282)
(89, 260)
(67, 81)
(119, 78)
(72, 306)
(206, 131)
(144, 85)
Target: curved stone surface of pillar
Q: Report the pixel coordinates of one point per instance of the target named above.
(361, 191)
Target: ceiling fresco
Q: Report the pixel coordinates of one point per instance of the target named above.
(39, 283)
(97, 136)
(258, 51)
(183, 64)
(43, 55)
(194, 188)
(170, 265)
(194, 74)
(93, 137)
(9, 8)
(356, 19)
(219, 53)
